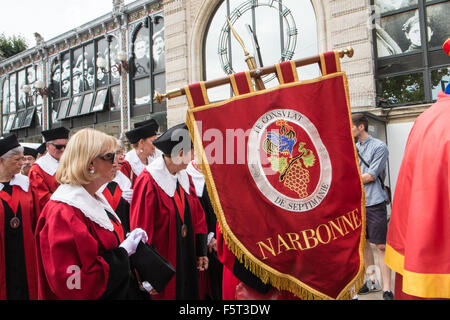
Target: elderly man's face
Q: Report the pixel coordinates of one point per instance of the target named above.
(56, 148)
(158, 46)
(140, 49)
(28, 161)
(12, 165)
(414, 35)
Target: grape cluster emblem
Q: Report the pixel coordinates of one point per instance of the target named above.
(293, 171)
(288, 160)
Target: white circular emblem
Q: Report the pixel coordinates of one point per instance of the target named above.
(292, 169)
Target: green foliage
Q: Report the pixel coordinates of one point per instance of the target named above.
(403, 89)
(279, 164)
(10, 46)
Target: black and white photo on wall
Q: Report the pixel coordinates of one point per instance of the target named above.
(159, 49)
(402, 32)
(141, 51)
(392, 5)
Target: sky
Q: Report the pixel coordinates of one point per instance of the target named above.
(49, 18)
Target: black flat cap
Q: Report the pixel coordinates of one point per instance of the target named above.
(30, 152)
(177, 136)
(151, 266)
(149, 122)
(7, 143)
(54, 134)
(142, 130)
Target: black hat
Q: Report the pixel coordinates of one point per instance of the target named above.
(7, 143)
(151, 266)
(54, 134)
(30, 152)
(142, 130)
(175, 136)
(41, 149)
(151, 122)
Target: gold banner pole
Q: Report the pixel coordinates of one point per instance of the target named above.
(249, 59)
(255, 73)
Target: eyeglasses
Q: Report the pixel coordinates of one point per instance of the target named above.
(108, 157)
(59, 146)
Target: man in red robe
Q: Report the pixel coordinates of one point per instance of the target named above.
(18, 279)
(165, 205)
(42, 172)
(143, 152)
(418, 242)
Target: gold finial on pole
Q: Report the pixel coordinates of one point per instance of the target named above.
(159, 97)
(249, 59)
(238, 38)
(346, 52)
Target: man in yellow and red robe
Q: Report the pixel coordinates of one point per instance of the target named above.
(418, 241)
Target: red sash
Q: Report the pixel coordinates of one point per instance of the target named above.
(118, 230)
(113, 199)
(180, 202)
(13, 201)
(25, 201)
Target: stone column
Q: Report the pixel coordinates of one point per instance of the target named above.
(176, 58)
(348, 23)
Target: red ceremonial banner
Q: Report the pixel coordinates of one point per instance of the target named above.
(282, 173)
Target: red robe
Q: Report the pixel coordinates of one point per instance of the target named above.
(71, 246)
(42, 187)
(154, 211)
(27, 225)
(418, 240)
(235, 289)
(128, 172)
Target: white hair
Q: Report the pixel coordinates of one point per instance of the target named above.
(12, 152)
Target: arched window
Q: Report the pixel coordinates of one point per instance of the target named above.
(272, 31)
(148, 69)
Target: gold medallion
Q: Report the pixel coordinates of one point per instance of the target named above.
(14, 223)
(184, 230)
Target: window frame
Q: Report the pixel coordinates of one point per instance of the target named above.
(147, 107)
(398, 63)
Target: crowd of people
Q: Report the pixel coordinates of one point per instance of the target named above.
(80, 219)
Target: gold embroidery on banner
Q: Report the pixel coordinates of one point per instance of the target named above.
(264, 272)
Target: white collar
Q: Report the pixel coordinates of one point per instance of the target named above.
(92, 208)
(121, 179)
(18, 180)
(166, 180)
(136, 164)
(48, 164)
(198, 178)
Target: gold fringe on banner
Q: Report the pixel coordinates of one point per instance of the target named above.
(264, 272)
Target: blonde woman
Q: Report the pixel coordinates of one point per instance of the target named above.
(82, 251)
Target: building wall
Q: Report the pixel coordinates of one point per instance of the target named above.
(340, 24)
(398, 135)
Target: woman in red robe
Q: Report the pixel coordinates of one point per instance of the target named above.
(82, 251)
(143, 152)
(17, 257)
(165, 205)
(118, 192)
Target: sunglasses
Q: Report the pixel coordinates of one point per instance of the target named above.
(108, 157)
(59, 146)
